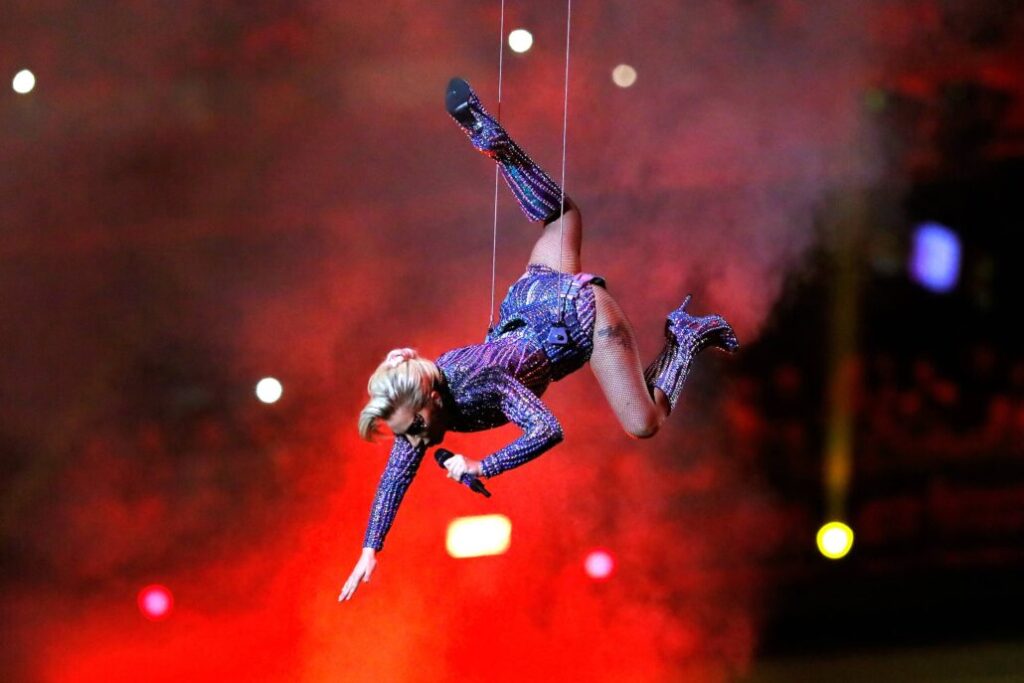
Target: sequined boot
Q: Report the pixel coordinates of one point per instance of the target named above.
(537, 194)
(686, 335)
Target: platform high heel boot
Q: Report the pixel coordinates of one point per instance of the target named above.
(539, 196)
(685, 336)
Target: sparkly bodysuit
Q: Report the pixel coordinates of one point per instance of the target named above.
(488, 385)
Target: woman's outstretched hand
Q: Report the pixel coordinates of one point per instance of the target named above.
(364, 569)
(458, 465)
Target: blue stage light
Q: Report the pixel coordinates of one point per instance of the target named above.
(935, 257)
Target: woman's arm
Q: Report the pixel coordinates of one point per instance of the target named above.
(398, 473)
(541, 430)
(402, 465)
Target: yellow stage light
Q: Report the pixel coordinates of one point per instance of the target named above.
(479, 536)
(835, 540)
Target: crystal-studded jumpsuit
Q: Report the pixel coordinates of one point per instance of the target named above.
(500, 381)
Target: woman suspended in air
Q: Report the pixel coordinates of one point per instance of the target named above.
(554, 319)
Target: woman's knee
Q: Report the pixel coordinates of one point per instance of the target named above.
(570, 211)
(644, 428)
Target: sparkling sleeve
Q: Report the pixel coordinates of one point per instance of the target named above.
(541, 430)
(402, 465)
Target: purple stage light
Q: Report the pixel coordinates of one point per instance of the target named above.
(935, 257)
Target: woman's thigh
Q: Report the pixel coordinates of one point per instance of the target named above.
(616, 364)
(558, 246)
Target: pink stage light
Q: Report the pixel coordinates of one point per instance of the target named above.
(155, 602)
(599, 565)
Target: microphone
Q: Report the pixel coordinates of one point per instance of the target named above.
(441, 455)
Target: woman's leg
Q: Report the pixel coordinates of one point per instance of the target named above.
(616, 364)
(538, 195)
(642, 399)
(558, 246)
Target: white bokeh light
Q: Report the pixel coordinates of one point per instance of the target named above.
(624, 75)
(269, 390)
(520, 40)
(24, 82)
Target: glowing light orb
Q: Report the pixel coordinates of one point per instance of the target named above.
(935, 257)
(624, 75)
(835, 540)
(599, 564)
(520, 40)
(479, 536)
(269, 390)
(24, 81)
(155, 602)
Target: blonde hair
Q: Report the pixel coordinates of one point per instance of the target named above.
(402, 379)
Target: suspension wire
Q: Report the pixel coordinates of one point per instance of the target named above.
(494, 245)
(565, 130)
(497, 173)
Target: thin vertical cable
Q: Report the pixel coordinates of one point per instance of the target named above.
(494, 245)
(565, 130)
